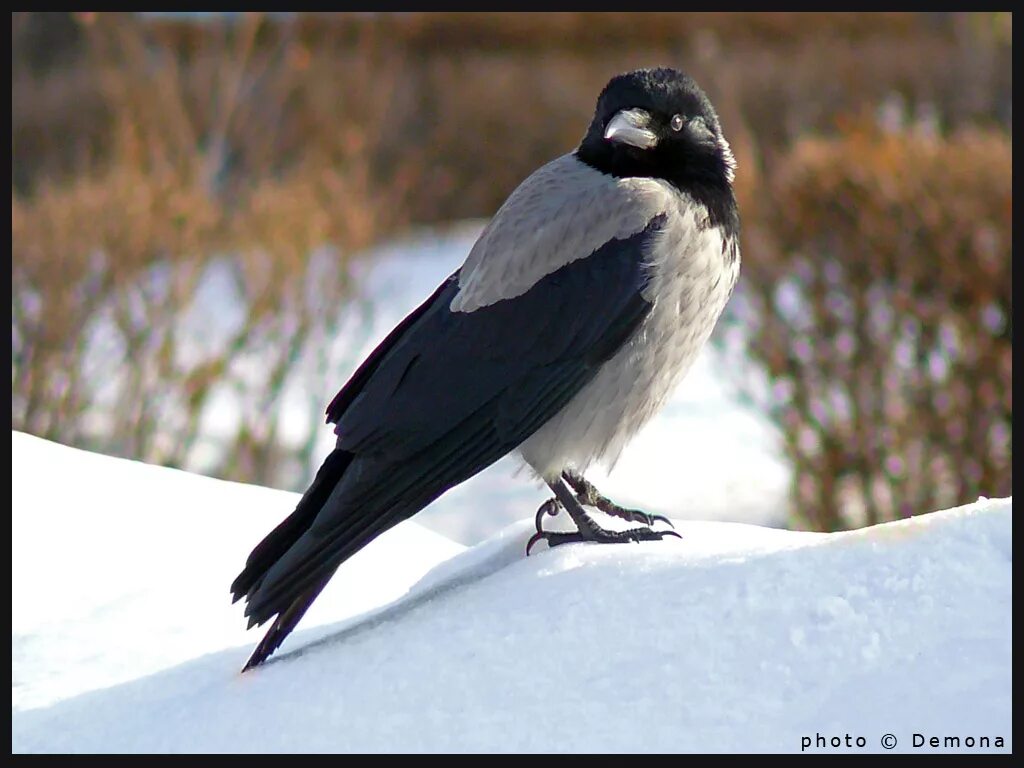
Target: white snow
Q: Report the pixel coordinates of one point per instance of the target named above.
(736, 638)
(121, 569)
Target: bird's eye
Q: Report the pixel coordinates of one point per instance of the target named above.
(677, 122)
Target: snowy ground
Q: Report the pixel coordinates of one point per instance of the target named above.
(735, 638)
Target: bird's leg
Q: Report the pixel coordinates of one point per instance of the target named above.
(587, 529)
(587, 494)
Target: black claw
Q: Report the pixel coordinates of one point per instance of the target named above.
(551, 507)
(652, 519)
(554, 539)
(633, 515)
(533, 540)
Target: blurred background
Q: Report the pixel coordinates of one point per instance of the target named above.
(214, 216)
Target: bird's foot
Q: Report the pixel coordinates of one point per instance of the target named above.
(588, 495)
(598, 535)
(585, 494)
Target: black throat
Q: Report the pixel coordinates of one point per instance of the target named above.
(701, 175)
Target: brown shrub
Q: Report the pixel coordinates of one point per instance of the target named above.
(109, 261)
(877, 298)
(149, 155)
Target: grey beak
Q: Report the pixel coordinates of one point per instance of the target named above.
(630, 126)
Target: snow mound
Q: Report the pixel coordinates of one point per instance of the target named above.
(736, 638)
(121, 569)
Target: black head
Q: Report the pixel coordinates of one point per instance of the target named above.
(659, 123)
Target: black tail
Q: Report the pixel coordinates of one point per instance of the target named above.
(281, 539)
(277, 543)
(371, 494)
(283, 625)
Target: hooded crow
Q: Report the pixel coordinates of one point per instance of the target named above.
(581, 306)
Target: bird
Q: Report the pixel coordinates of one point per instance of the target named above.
(577, 311)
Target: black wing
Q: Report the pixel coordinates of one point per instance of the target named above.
(449, 393)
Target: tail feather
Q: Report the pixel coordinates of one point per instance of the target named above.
(284, 624)
(284, 536)
(310, 562)
(289, 569)
(291, 604)
(280, 541)
(384, 498)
